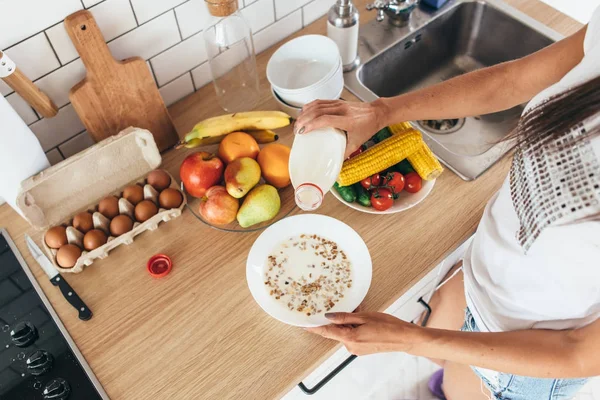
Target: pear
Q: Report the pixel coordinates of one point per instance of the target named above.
(241, 175)
(261, 204)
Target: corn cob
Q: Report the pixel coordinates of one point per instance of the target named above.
(400, 128)
(379, 157)
(425, 163)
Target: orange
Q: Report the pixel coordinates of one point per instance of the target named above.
(273, 160)
(237, 145)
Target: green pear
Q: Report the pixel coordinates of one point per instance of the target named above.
(241, 175)
(261, 204)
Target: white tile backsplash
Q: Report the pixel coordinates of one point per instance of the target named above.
(54, 156)
(22, 108)
(166, 33)
(177, 89)
(259, 14)
(316, 9)
(114, 18)
(24, 18)
(58, 83)
(148, 9)
(179, 58)
(73, 146)
(278, 31)
(193, 16)
(284, 7)
(53, 131)
(147, 40)
(34, 56)
(201, 75)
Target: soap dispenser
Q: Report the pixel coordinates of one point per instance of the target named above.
(342, 28)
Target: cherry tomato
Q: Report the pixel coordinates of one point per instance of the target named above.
(371, 182)
(394, 181)
(413, 182)
(382, 199)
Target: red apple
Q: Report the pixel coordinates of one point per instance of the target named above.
(218, 207)
(199, 171)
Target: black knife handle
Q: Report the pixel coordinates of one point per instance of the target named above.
(84, 312)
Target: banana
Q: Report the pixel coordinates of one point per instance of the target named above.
(261, 136)
(224, 124)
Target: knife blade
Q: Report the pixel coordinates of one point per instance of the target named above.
(57, 280)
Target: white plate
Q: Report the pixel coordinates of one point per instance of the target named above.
(347, 240)
(403, 202)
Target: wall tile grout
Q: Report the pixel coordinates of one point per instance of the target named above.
(153, 73)
(134, 15)
(177, 77)
(53, 50)
(178, 27)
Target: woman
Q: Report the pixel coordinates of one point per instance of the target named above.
(530, 281)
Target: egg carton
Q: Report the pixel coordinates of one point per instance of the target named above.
(57, 194)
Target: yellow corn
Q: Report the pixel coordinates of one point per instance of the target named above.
(425, 164)
(379, 157)
(405, 142)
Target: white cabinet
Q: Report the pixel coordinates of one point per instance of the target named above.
(370, 377)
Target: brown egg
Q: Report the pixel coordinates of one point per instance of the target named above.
(67, 255)
(134, 193)
(109, 207)
(159, 179)
(94, 239)
(56, 237)
(120, 224)
(83, 222)
(145, 210)
(170, 198)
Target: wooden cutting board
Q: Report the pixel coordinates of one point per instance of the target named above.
(115, 94)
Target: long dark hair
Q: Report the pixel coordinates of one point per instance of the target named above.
(559, 114)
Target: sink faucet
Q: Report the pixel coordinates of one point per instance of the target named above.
(398, 11)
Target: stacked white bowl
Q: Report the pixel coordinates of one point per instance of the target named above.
(304, 69)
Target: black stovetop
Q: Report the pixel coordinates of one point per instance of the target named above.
(36, 360)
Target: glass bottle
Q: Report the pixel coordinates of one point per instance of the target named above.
(231, 57)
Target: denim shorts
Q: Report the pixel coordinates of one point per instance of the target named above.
(514, 387)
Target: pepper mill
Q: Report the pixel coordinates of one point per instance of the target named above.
(342, 28)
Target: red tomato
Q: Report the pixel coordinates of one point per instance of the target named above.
(394, 181)
(382, 199)
(413, 182)
(371, 182)
(357, 152)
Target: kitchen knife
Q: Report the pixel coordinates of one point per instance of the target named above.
(57, 280)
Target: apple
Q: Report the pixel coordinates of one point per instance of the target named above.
(199, 171)
(218, 207)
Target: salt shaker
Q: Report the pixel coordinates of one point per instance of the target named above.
(342, 28)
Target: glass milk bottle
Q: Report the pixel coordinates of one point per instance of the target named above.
(231, 57)
(315, 162)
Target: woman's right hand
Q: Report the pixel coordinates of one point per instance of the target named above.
(359, 120)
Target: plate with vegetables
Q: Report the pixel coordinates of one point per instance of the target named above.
(392, 172)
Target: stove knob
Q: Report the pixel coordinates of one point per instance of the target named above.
(57, 389)
(39, 362)
(24, 334)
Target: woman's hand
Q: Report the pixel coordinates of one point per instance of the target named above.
(366, 333)
(359, 120)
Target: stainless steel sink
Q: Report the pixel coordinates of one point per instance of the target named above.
(462, 36)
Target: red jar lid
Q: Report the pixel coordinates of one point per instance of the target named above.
(159, 265)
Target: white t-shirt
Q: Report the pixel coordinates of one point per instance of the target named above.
(556, 283)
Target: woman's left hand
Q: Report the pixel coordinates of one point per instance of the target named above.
(366, 332)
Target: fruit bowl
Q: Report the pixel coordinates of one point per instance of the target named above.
(288, 204)
(404, 201)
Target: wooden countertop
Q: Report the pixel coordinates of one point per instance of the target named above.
(198, 333)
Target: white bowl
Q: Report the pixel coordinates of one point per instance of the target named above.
(330, 89)
(292, 111)
(346, 238)
(303, 62)
(404, 201)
